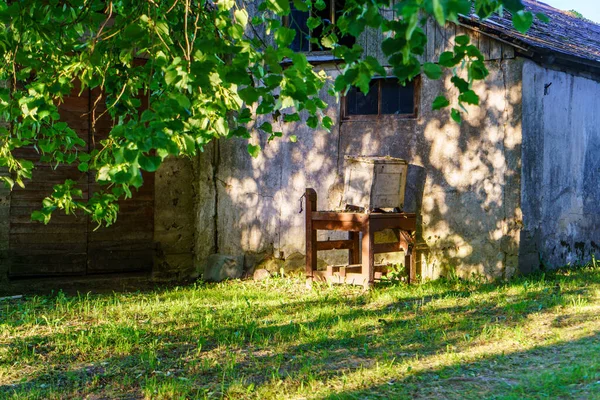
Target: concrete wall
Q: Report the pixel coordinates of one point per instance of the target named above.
(561, 168)
(463, 180)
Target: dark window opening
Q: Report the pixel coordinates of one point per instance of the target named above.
(386, 97)
(297, 20)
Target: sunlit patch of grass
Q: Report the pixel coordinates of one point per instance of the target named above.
(532, 337)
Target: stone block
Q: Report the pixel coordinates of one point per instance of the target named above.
(220, 267)
(261, 275)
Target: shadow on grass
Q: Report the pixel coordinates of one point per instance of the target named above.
(337, 336)
(555, 371)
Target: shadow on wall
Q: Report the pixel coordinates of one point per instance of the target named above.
(463, 180)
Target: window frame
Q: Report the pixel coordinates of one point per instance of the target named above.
(369, 117)
(286, 20)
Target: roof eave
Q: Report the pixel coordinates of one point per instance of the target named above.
(541, 54)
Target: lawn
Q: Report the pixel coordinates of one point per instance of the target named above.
(533, 337)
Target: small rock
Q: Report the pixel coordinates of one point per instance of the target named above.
(261, 274)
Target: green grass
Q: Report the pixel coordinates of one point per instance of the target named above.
(534, 337)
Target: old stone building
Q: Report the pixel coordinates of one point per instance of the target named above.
(512, 188)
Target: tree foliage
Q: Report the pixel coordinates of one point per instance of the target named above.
(212, 70)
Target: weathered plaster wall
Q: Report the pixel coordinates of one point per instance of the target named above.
(463, 180)
(205, 215)
(561, 168)
(174, 224)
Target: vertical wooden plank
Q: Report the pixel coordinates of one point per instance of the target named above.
(461, 30)
(495, 50)
(440, 41)
(311, 235)
(410, 264)
(475, 36)
(354, 253)
(368, 270)
(450, 35)
(508, 51)
(484, 46)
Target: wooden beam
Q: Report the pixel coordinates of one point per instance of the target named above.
(335, 245)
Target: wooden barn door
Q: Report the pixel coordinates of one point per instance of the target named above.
(126, 246)
(70, 245)
(59, 248)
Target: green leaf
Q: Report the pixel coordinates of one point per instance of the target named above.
(291, 117)
(134, 31)
(455, 114)
(182, 100)
(293, 138)
(469, 97)
(433, 71)
(460, 83)
(313, 22)
(280, 7)
(522, 20)
(447, 59)
(41, 216)
(275, 135)
(478, 70)
(245, 116)
(327, 122)
(221, 127)
(543, 17)
(373, 17)
(513, 5)
(266, 127)
(284, 36)
(438, 12)
(439, 103)
(363, 80)
(312, 122)
(241, 16)
(249, 95)
(300, 5)
(226, 4)
(462, 40)
(254, 151)
(149, 163)
(329, 41)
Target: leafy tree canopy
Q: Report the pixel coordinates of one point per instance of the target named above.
(212, 70)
